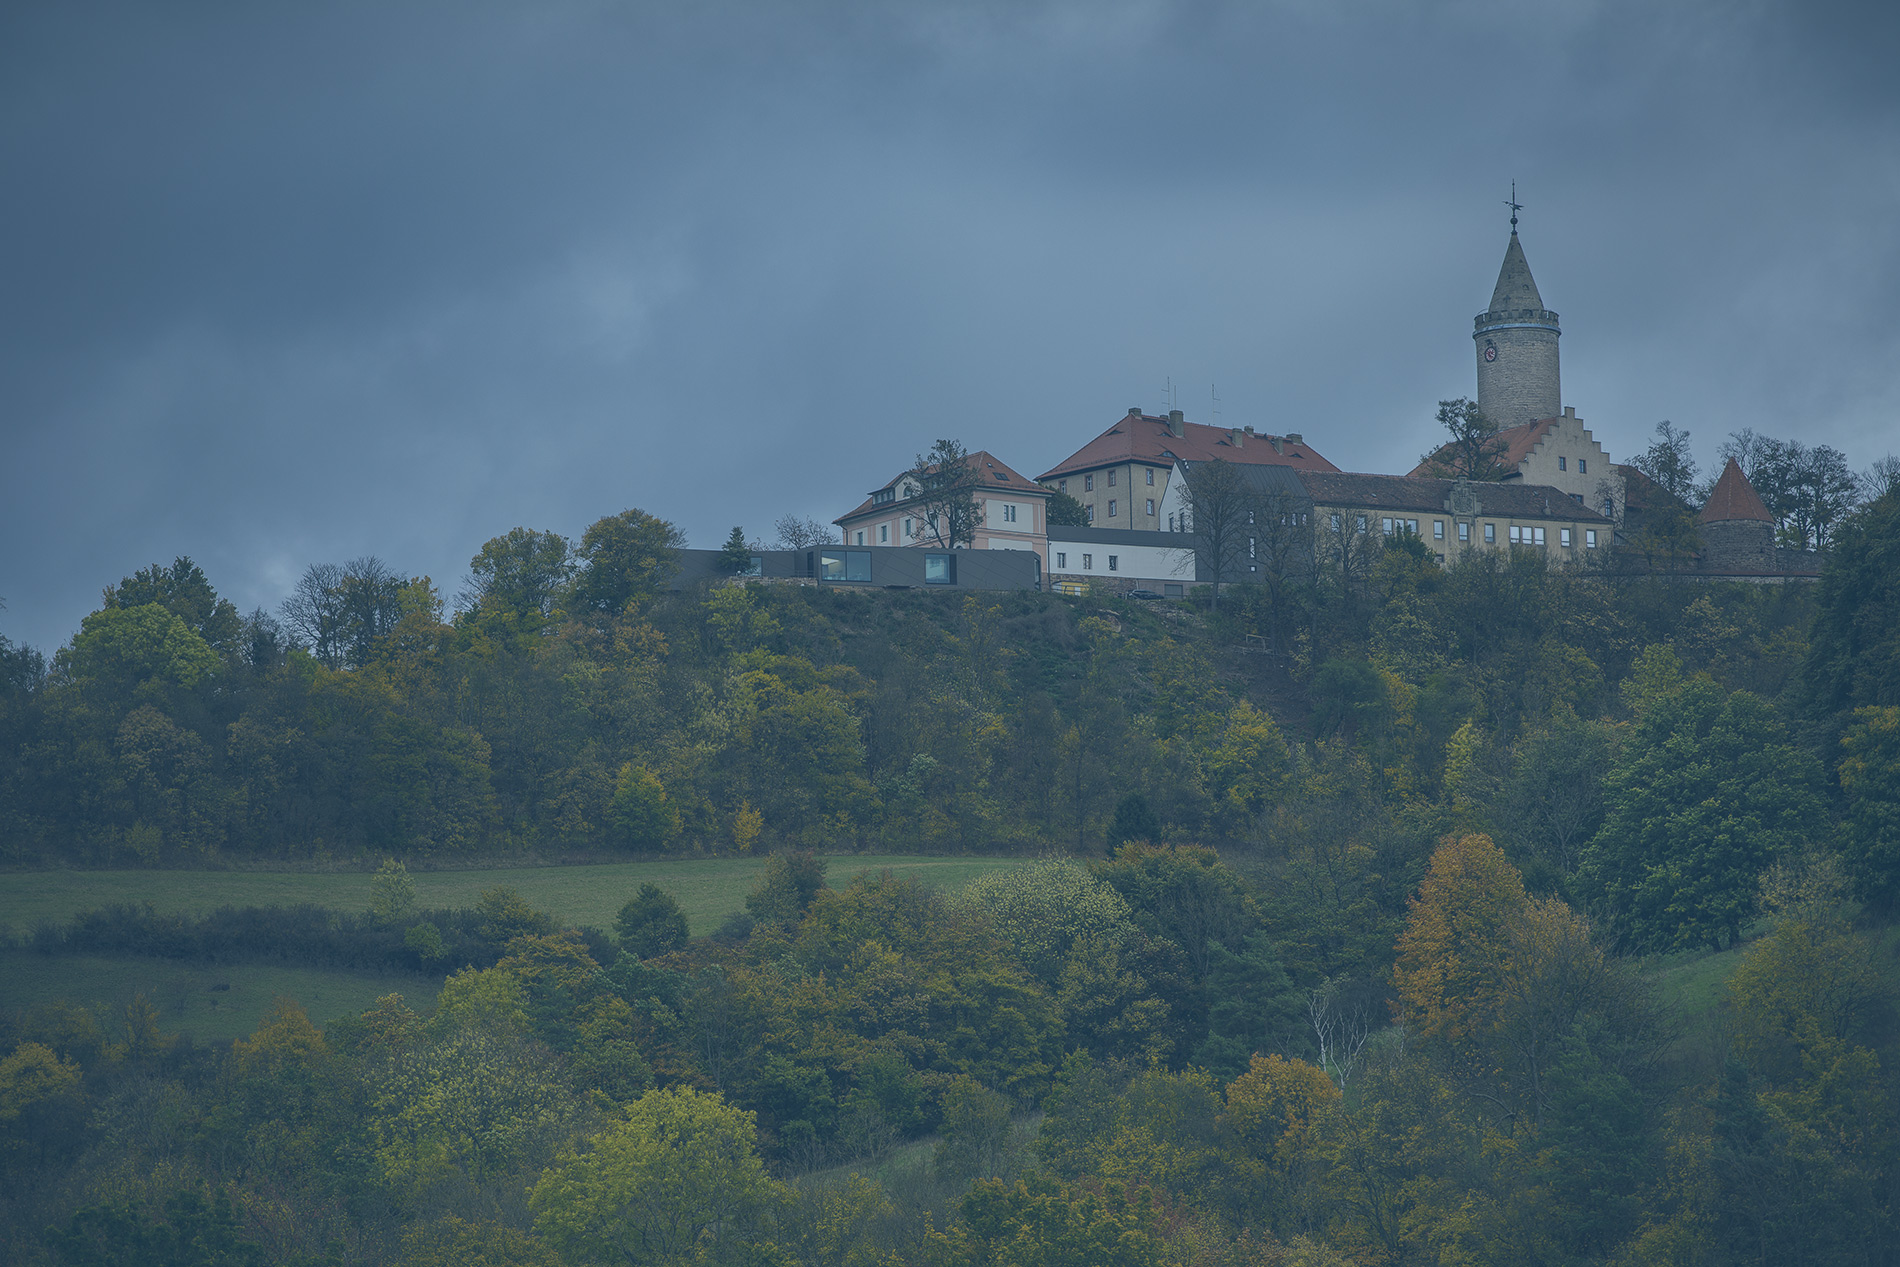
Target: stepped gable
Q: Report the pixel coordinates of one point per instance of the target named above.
(1139, 437)
(1734, 499)
(1518, 443)
(1516, 289)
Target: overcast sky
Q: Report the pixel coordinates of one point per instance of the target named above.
(284, 283)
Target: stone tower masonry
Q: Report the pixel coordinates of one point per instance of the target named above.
(1517, 348)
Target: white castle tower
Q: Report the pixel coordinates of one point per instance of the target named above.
(1517, 346)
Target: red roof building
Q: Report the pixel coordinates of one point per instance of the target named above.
(1121, 476)
(1013, 512)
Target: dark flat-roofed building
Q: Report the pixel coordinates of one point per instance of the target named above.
(874, 567)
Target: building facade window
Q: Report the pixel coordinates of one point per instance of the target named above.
(1151, 505)
(1335, 523)
(1091, 512)
(1114, 562)
(1111, 479)
(1062, 486)
(1517, 535)
(1362, 523)
(1583, 466)
(1539, 542)
(1438, 530)
(1464, 532)
(910, 529)
(1088, 483)
(883, 534)
(1088, 562)
(940, 569)
(860, 538)
(1111, 508)
(1589, 538)
(1385, 526)
(845, 565)
(1490, 534)
(1062, 558)
(1561, 466)
(1009, 514)
(1151, 477)
(1563, 537)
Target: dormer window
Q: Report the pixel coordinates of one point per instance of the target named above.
(883, 496)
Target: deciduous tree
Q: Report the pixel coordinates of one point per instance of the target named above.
(679, 1175)
(1472, 450)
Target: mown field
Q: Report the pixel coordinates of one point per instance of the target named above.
(227, 1001)
(708, 889)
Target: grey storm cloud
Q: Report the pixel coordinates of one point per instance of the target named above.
(283, 284)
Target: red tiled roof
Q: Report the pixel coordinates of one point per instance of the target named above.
(1518, 443)
(1733, 497)
(995, 472)
(1146, 438)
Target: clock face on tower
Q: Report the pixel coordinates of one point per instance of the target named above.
(1490, 351)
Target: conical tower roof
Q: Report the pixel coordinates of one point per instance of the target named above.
(1733, 497)
(1515, 289)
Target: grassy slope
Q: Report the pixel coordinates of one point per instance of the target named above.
(707, 889)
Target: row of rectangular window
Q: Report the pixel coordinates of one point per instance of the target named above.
(1088, 562)
(1583, 466)
(1088, 481)
(1114, 508)
(1526, 536)
(855, 565)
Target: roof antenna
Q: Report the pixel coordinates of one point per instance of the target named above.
(1515, 207)
(1213, 405)
(1171, 393)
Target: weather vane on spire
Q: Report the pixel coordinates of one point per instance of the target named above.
(1515, 207)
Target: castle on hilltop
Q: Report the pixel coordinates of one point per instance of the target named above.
(1546, 485)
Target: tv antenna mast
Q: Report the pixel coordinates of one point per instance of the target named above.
(1171, 392)
(1213, 405)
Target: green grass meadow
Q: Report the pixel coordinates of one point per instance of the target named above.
(708, 890)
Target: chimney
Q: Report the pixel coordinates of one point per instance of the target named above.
(1237, 438)
(1570, 411)
(1177, 423)
(1249, 428)
(1134, 411)
(1275, 442)
(1294, 437)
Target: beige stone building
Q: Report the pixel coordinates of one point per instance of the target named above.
(1455, 516)
(1121, 476)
